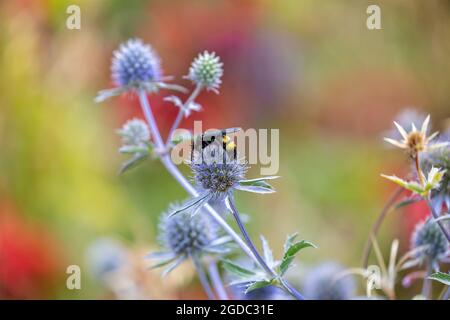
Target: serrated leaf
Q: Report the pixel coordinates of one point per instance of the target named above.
(296, 247)
(268, 255)
(290, 253)
(289, 241)
(441, 277)
(133, 162)
(257, 285)
(237, 269)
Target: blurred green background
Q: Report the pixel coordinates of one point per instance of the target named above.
(310, 68)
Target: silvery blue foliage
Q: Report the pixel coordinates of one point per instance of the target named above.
(135, 63)
(105, 255)
(324, 282)
(429, 236)
(206, 70)
(183, 236)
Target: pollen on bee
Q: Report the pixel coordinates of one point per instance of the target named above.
(231, 145)
(226, 139)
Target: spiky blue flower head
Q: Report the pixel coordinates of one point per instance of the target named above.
(185, 235)
(206, 71)
(216, 172)
(134, 64)
(134, 132)
(429, 236)
(104, 256)
(439, 158)
(324, 282)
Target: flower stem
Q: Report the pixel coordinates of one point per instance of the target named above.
(419, 171)
(203, 278)
(427, 199)
(178, 176)
(165, 159)
(427, 289)
(386, 209)
(216, 280)
(260, 260)
(181, 112)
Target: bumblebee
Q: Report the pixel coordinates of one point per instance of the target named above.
(210, 136)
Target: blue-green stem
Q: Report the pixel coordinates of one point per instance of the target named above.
(291, 290)
(202, 277)
(182, 111)
(177, 175)
(216, 280)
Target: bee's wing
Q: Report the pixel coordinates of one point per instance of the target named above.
(207, 135)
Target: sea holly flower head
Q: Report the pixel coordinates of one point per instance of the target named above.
(428, 235)
(134, 132)
(432, 181)
(415, 141)
(324, 282)
(135, 63)
(104, 256)
(136, 66)
(136, 142)
(217, 174)
(184, 236)
(206, 70)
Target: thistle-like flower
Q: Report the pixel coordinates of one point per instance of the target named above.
(439, 158)
(136, 142)
(134, 132)
(216, 172)
(422, 188)
(206, 71)
(430, 237)
(217, 175)
(184, 236)
(105, 256)
(324, 283)
(135, 66)
(416, 141)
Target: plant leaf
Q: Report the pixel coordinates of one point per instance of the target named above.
(290, 253)
(257, 285)
(195, 203)
(173, 265)
(444, 217)
(289, 241)
(237, 269)
(133, 162)
(268, 255)
(255, 189)
(441, 277)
